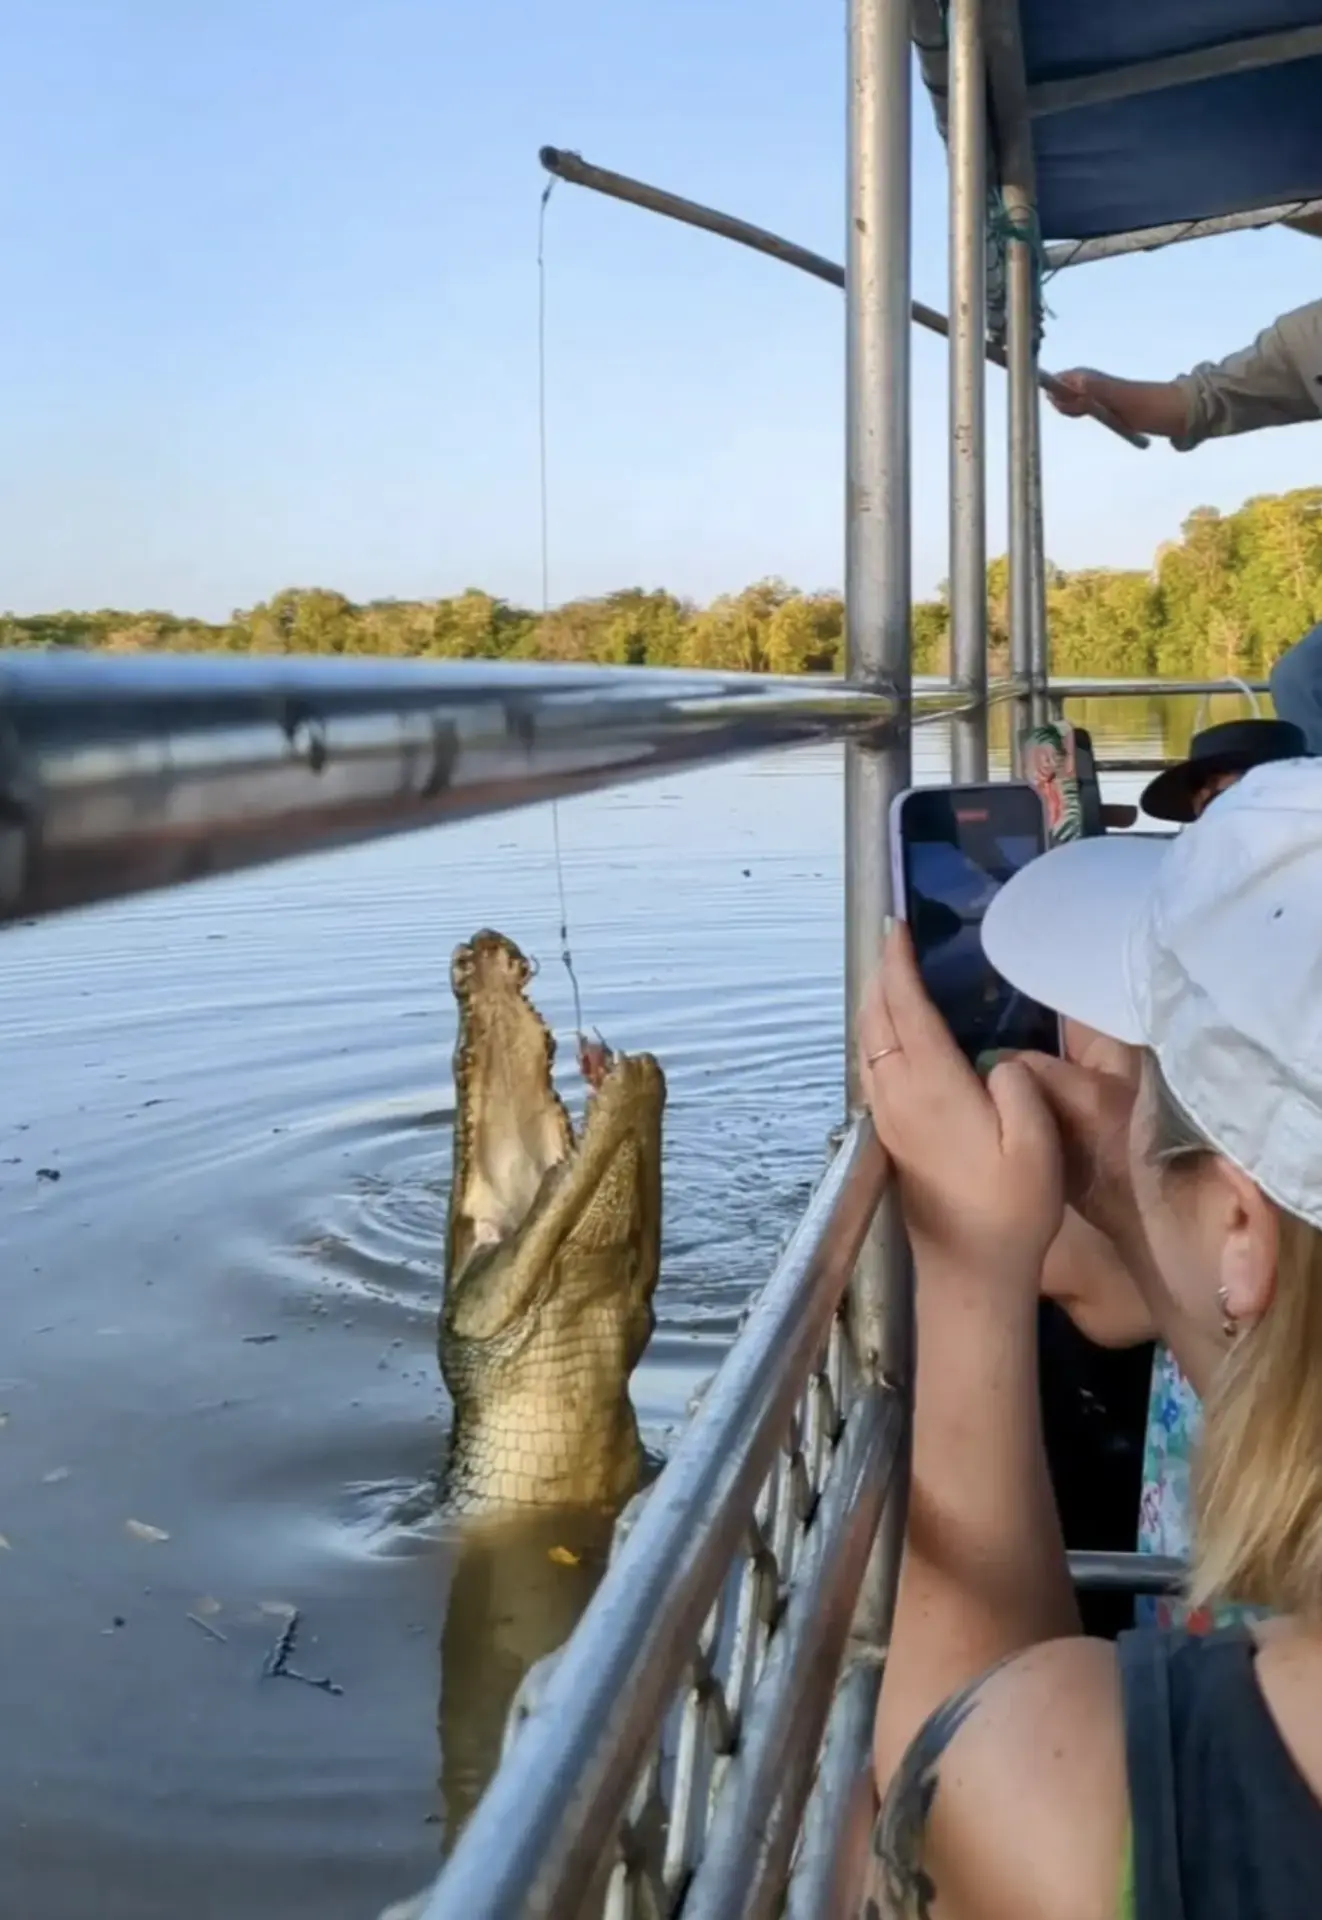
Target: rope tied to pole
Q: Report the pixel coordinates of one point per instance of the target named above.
(1006, 226)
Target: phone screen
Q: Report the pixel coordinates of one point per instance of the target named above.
(959, 845)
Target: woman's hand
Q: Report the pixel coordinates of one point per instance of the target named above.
(1092, 1096)
(979, 1167)
(1084, 1274)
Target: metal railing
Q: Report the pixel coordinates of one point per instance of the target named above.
(121, 775)
(118, 776)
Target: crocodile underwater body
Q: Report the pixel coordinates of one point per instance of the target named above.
(552, 1252)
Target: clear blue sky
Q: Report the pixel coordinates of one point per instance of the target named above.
(269, 309)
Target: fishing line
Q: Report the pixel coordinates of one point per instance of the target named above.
(565, 954)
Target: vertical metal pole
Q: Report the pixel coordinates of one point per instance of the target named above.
(967, 141)
(1040, 656)
(877, 640)
(1021, 363)
(877, 530)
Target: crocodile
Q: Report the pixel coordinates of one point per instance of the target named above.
(552, 1250)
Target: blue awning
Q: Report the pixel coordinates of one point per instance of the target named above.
(1220, 143)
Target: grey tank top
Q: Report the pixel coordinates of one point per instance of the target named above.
(1224, 1825)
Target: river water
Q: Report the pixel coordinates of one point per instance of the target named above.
(224, 1148)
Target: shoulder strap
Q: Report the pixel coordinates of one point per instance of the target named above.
(1145, 1691)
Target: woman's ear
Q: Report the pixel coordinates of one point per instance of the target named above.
(1249, 1235)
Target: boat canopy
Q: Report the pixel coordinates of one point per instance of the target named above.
(1140, 114)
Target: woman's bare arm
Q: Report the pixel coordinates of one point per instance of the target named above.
(984, 1573)
(1012, 1803)
(1085, 1275)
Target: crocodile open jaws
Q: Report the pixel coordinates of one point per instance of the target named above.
(552, 1253)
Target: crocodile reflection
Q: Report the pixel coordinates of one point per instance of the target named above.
(518, 1590)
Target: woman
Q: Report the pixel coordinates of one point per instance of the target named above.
(1027, 1773)
(1083, 1271)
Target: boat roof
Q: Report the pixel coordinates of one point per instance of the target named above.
(1143, 113)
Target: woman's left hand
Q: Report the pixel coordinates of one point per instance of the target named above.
(979, 1166)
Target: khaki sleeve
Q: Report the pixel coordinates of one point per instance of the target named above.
(1277, 382)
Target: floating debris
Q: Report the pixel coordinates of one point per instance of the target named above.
(276, 1665)
(140, 1530)
(277, 1660)
(563, 1557)
(56, 1474)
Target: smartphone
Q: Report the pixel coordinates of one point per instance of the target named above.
(1091, 818)
(952, 850)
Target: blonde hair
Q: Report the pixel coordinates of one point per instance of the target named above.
(1257, 1479)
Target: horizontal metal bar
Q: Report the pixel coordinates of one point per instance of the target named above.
(1175, 70)
(936, 699)
(118, 776)
(818, 1881)
(1076, 253)
(531, 1848)
(1070, 688)
(618, 186)
(1127, 1572)
(750, 1844)
(121, 775)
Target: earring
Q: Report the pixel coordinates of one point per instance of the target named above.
(1229, 1324)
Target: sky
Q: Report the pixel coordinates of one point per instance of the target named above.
(269, 311)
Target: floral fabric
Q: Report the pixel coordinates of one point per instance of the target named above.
(1165, 1514)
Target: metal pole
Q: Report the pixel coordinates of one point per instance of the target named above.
(1020, 438)
(118, 775)
(877, 529)
(672, 206)
(1040, 656)
(877, 650)
(968, 423)
(1014, 150)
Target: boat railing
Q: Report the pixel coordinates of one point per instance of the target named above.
(118, 775)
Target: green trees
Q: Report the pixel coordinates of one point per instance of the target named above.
(1227, 597)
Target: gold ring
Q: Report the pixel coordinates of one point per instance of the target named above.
(881, 1053)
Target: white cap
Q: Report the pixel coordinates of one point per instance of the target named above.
(1206, 947)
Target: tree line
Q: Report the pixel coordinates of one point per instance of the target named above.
(1226, 598)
